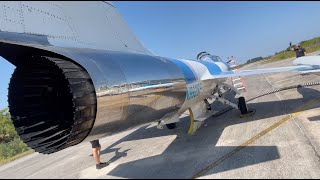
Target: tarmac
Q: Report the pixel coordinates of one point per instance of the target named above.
(281, 140)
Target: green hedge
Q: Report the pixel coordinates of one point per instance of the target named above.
(12, 148)
(10, 143)
(311, 45)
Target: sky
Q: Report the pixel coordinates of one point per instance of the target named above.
(180, 29)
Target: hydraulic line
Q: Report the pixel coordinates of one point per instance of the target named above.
(286, 88)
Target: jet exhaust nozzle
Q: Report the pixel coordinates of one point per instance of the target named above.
(52, 103)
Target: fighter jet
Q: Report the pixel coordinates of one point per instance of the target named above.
(81, 74)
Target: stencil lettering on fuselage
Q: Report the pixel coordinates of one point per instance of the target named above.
(193, 87)
(193, 90)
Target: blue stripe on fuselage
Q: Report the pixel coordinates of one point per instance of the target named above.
(212, 67)
(187, 72)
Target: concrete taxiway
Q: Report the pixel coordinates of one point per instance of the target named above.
(282, 140)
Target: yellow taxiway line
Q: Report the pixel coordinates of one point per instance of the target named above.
(256, 137)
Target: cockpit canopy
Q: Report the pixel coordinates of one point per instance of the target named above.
(204, 56)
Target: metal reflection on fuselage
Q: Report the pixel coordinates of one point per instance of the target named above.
(131, 89)
(137, 89)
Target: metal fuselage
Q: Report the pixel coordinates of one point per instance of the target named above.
(132, 86)
(135, 89)
(131, 89)
(81, 74)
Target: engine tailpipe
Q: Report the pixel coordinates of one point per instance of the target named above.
(52, 103)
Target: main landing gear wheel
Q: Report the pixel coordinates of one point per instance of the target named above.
(171, 125)
(244, 109)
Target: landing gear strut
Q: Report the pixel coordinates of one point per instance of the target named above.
(242, 105)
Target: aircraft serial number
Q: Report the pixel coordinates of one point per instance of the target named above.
(193, 90)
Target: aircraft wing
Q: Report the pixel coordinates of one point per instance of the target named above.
(302, 68)
(305, 64)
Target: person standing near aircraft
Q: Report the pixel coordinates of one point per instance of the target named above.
(299, 51)
(96, 147)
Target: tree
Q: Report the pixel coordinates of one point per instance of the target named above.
(10, 142)
(7, 130)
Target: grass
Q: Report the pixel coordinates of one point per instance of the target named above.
(12, 150)
(11, 146)
(279, 57)
(311, 45)
(5, 161)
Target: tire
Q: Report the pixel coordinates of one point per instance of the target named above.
(171, 125)
(242, 105)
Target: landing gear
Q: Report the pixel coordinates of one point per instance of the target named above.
(171, 125)
(208, 104)
(242, 105)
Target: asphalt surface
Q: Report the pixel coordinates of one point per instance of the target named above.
(282, 140)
